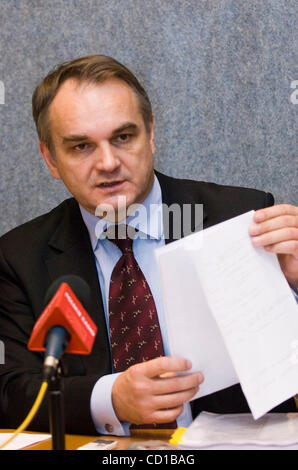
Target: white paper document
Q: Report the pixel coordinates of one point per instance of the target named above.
(230, 310)
(240, 431)
(22, 440)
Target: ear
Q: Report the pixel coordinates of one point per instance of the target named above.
(50, 160)
(151, 135)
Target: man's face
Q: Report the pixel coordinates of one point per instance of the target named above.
(102, 149)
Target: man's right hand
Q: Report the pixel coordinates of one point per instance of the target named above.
(151, 392)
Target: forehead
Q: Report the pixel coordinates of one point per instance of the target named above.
(86, 107)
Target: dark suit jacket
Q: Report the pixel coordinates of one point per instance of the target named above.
(33, 255)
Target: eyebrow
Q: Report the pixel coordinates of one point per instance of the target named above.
(79, 138)
(74, 138)
(125, 127)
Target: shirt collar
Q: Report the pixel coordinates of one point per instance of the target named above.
(147, 219)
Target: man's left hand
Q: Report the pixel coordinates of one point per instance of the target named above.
(276, 229)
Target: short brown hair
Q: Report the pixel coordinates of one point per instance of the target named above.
(93, 69)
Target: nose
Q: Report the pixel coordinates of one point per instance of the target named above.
(106, 159)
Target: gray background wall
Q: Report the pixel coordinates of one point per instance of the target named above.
(219, 74)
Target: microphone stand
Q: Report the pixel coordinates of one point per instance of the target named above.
(56, 410)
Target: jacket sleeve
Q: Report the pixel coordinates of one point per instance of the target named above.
(21, 373)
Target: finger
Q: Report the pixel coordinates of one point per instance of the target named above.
(165, 416)
(167, 375)
(273, 224)
(173, 400)
(277, 236)
(286, 248)
(176, 383)
(161, 365)
(274, 211)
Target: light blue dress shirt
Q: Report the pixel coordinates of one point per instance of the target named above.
(149, 222)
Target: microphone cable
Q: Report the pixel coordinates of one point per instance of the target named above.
(30, 415)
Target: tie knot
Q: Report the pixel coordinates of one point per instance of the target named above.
(122, 236)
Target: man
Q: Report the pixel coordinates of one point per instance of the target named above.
(96, 132)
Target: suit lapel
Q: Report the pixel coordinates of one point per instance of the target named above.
(176, 192)
(70, 252)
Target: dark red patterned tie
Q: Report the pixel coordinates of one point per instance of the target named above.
(133, 321)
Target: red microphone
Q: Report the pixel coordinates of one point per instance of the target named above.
(64, 325)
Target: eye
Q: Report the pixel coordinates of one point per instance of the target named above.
(123, 137)
(81, 147)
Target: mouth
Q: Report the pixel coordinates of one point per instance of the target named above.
(110, 184)
(111, 187)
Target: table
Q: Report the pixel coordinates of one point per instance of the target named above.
(72, 441)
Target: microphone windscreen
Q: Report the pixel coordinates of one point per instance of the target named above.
(64, 307)
(79, 287)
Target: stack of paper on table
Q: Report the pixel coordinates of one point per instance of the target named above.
(239, 431)
(22, 440)
(230, 310)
